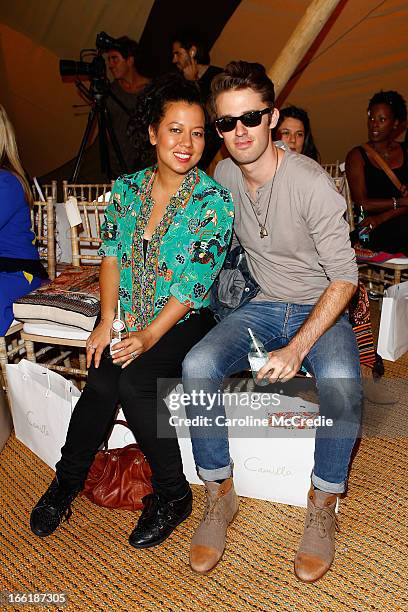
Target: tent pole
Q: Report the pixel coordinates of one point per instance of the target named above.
(300, 41)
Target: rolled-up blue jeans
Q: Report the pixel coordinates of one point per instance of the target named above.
(333, 361)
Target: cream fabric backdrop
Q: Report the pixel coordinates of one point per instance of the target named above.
(34, 36)
(334, 88)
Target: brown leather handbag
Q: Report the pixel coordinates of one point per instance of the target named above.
(119, 477)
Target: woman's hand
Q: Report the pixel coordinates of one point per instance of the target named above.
(372, 222)
(97, 341)
(131, 348)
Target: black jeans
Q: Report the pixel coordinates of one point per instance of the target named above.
(135, 387)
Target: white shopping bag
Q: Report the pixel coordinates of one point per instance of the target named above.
(41, 405)
(271, 467)
(121, 436)
(393, 334)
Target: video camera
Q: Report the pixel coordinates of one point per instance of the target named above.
(95, 69)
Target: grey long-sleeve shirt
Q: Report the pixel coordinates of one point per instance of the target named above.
(308, 245)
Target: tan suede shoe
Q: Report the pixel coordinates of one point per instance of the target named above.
(208, 543)
(316, 551)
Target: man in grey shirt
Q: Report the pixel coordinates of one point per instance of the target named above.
(289, 219)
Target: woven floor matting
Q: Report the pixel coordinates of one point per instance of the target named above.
(90, 560)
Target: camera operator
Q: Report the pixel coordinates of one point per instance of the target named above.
(123, 61)
(111, 105)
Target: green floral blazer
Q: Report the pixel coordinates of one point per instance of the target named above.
(186, 251)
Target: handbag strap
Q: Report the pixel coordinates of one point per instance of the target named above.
(384, 166)
(115, 422)
(120, 422)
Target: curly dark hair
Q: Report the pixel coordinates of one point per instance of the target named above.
(242, 75)
(394, 100)
(151, 107)
(309, 148)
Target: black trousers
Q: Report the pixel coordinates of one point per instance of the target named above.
(391, 236)
(136, 388)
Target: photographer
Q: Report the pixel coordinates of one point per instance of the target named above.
(118, 97)
(123, 62)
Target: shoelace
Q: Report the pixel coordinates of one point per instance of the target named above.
(211, 511)
(61, 504)
(317, 520)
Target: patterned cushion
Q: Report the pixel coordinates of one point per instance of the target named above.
(71, 299)
(368, 256)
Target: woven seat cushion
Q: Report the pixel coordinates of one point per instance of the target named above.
(71, 299)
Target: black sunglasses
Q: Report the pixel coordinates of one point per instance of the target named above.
(249, 119)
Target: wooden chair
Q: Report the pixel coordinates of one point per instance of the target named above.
(49, 190)
(376, 276)
(343, 188)
(379, 276)
(92, 201)
(85, 241)
(12, 347)
(43, 225)
(333, 169)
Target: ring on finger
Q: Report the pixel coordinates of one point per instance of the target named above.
(133, 355)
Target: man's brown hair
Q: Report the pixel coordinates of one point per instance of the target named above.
(242, 75)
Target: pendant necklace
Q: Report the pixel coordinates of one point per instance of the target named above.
(263, 232)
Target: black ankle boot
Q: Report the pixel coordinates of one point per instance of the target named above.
(159, 518)
(53, 508)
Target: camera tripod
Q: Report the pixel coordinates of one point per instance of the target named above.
(99, 113)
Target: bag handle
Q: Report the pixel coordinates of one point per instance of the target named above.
(115, 422)
(385, 167)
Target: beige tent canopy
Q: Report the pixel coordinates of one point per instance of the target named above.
(361, 49)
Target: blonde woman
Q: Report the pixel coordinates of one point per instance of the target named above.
(20, 267)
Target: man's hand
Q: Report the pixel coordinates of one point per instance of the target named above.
(283, 364)
(131, 348)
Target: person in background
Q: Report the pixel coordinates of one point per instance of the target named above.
(191, 57)
(385, 206)
(166, 233)
(20, 268)
(293, 128)
(128, 82)
(124, 63)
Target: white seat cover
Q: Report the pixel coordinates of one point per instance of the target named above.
(55, 330)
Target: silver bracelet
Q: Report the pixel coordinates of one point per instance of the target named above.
(395, 203)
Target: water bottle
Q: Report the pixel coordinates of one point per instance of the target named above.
(363, 234)
(118, 332)
(257, 357)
